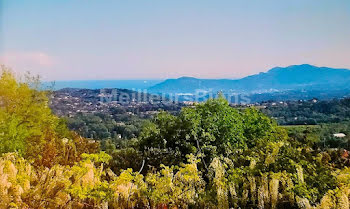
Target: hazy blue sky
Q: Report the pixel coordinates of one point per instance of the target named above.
(121, 39)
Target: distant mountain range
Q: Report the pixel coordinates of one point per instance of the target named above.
(293, 78)
(290, 83)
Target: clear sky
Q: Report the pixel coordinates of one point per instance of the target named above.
(142, 39)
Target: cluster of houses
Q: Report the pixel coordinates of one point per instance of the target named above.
(69, 102)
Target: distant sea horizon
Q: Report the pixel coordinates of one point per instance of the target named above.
(132, 84)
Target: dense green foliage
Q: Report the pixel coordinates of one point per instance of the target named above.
(323, 135)
(208, 156)
(103, 126)
(210, 129)
(310, 112)
(28, 127)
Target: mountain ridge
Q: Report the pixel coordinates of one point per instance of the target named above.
(294, 77)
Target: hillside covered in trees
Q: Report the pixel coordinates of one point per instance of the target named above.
(207, 156)
(309, 112)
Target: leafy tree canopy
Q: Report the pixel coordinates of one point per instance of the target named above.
(210, 129)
